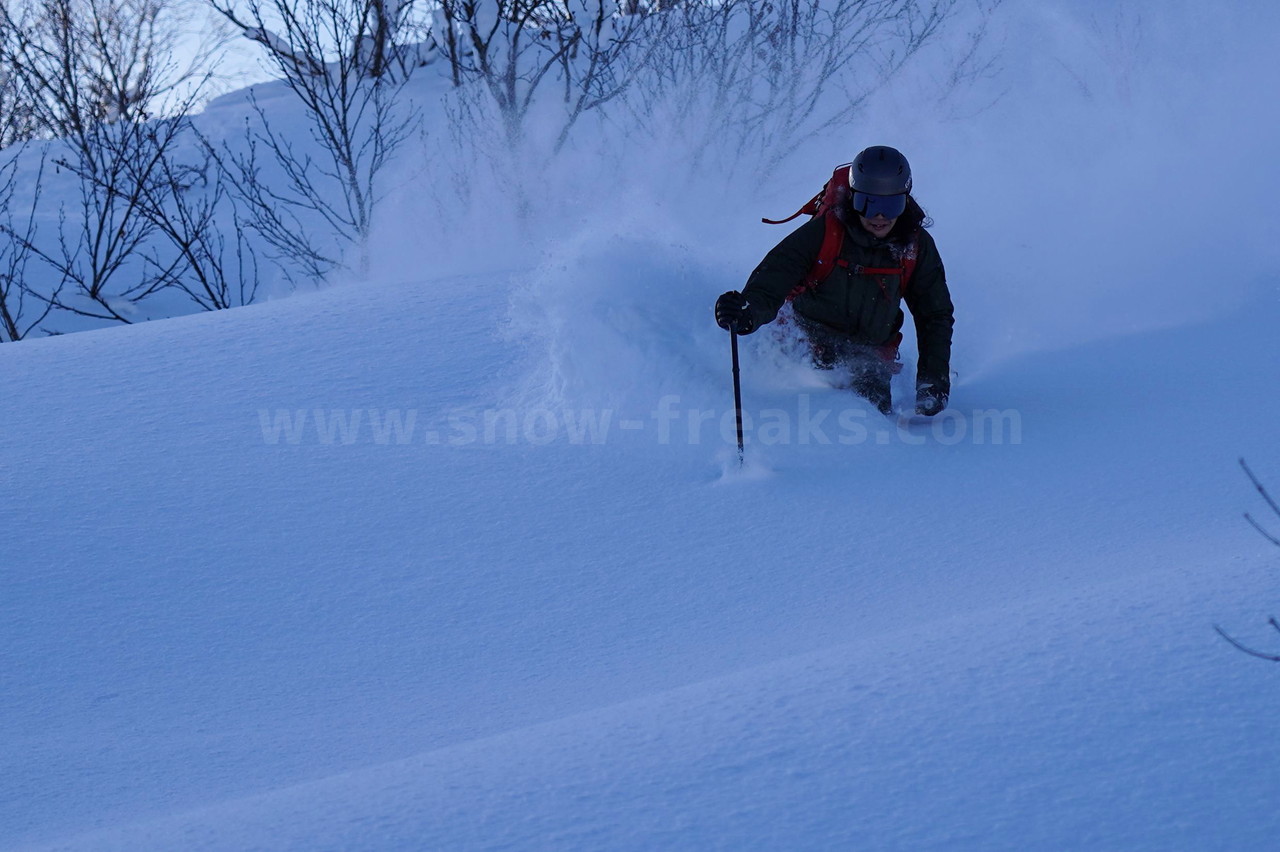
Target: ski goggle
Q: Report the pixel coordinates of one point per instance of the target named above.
(870, 206)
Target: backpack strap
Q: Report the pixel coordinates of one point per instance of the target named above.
(832, 192)
(906, 270)
(810, 208)
(828, 256)
(909, 263)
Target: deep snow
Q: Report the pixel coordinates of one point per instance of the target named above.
(226, 627)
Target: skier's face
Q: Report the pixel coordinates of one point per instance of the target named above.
(878, 226)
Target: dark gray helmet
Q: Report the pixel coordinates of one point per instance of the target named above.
(880, 170)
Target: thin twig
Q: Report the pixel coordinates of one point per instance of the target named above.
(1261, 489)
(1250, 651)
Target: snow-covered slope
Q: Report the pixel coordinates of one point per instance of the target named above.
(217, 640)
(550, 611)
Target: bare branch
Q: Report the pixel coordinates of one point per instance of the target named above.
(16, 300)
(1265, 496)
(747, 82)
(1250, 651)
(1268, 536)
(1257, 484)
(340, 60)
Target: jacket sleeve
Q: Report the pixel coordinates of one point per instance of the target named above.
(782, 269)
(929, 301)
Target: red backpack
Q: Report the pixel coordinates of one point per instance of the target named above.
(834, 195)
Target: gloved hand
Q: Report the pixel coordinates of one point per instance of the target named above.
(931, 398)
(733, 314)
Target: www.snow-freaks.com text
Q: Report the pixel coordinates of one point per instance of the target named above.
(669, 422)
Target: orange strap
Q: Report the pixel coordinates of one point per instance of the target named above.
(908, 267)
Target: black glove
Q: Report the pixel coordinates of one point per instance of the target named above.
(931, 397)
(734, 314)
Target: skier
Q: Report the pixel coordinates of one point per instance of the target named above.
(853, 318)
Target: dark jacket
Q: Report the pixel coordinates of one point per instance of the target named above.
(864, 308)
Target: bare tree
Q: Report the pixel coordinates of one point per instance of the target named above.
(756, 77)
(972, 59)
(20, 311)
(205, 253)
(591, 55)
(340, 59)
(515, 48)
(361, 36)
(196, 239)
(93, 73)
(72, 63)
(98, 263)
(742, 80)
(1275, 509)
(18, 122)
(151, 219)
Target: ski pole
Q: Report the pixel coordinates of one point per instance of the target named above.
(737, 391)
